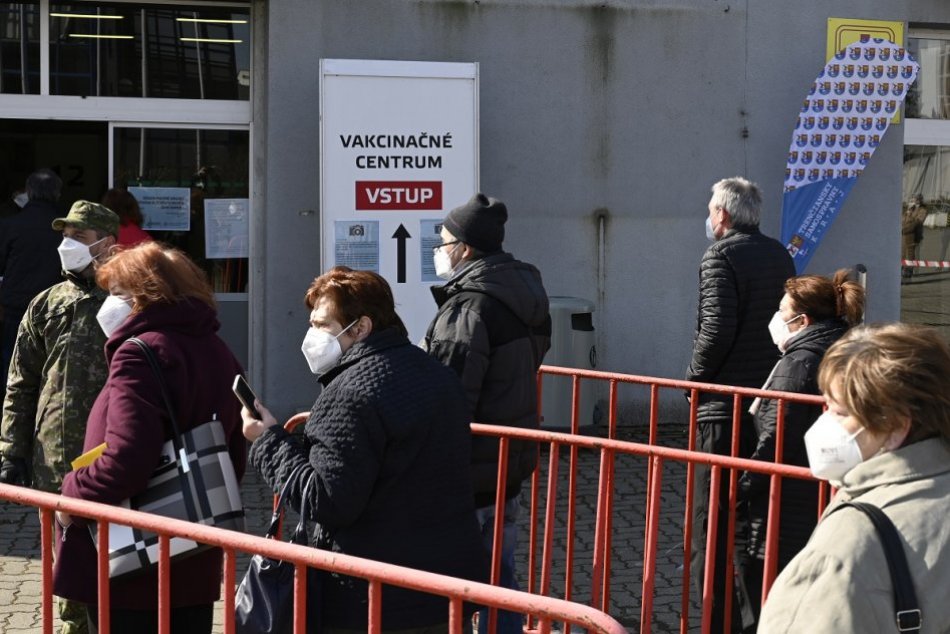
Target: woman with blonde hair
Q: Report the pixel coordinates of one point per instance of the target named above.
(815, 312)
(884, 441)
(161, 297)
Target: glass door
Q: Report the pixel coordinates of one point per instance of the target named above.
(925, 208)
(193, 186)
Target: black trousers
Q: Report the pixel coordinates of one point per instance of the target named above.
(714, 435)
(189, 619)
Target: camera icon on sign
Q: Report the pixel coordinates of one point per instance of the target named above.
(357, 231)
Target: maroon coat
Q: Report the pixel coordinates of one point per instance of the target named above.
(130, 417)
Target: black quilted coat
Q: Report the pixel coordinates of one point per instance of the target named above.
(389, 441)
(797, 371)
(741, 281)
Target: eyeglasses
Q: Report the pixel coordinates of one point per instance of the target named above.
(436, 248)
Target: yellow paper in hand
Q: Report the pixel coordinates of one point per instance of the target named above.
(88, 458)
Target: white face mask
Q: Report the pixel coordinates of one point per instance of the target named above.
(832, 451)
(21, 199)
(322, 350)
(443, 263)
(114, 311)
(710, 232)
(74, 255)
(778, 328)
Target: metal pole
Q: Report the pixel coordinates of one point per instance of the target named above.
(862, 272)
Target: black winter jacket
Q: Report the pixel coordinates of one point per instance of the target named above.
(385, 439)
(741, 281)
(796, 371)
(29, 262)
(493, 329)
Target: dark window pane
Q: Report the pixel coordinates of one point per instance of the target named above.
(212, 163)
(200, 53)
(19, 48)
(925, 289)
(929, 96)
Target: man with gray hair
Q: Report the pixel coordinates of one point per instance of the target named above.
(741, 281)
(28, 260)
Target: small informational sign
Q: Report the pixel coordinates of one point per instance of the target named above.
(164, 208)
(398, 149)
(226, 228)
(430, 236)
(356, 244)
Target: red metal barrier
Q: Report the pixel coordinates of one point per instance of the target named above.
(540, 554)
(377, 574)
(536, 603)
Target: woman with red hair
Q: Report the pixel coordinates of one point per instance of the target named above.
(161, 297)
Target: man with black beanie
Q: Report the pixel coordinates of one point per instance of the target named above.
(492, 328)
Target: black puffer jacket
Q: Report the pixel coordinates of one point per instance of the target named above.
(493, 328)
(388, 439)
(797, 371)
(741, 281)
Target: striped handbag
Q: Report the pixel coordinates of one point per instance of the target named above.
(194, 481)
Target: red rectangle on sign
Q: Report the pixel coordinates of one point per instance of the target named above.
(398, 195)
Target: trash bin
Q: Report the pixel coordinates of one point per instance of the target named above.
(572, 346)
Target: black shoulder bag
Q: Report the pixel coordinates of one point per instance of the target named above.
(909, 618)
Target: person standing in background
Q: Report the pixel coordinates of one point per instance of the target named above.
(741, 280)
(912, 232)
(28, 262)
(124, 204)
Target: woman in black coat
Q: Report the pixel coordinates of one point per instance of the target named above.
(814, 313)
(388, 443)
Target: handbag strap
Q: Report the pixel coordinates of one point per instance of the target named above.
(281, 501)
(907, 609)
(153, 362)
(300, 533)
(183, 466)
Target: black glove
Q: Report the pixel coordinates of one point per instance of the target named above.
(13, 471)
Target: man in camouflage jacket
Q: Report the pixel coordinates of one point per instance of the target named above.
(58, 365)
(58, 369)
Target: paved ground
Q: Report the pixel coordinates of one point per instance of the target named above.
(20, 564)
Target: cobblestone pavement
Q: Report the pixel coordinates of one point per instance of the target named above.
(20, 570)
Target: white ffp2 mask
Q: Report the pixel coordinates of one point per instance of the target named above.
(832, 451)
(443, 263)
(322, 350)
(113, 312)
(74, 255)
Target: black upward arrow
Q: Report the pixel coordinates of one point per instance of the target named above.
(402, 235)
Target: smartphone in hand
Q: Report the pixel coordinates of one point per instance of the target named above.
(246, 395)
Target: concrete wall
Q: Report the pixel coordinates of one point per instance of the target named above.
(626, 111)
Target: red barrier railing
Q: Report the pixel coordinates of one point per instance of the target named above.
(601, 563)
(603, 525)
(541, 609)
(377, 574)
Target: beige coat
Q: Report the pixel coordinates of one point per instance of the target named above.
(840, 582)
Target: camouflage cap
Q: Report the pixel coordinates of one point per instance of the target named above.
(88, 215)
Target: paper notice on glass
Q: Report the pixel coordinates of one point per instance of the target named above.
(164, 208)
(226, 228)
(356, 244)
(430, 237)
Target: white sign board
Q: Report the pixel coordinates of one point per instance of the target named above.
(164, 208)
(398, 149)
(226, 228)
